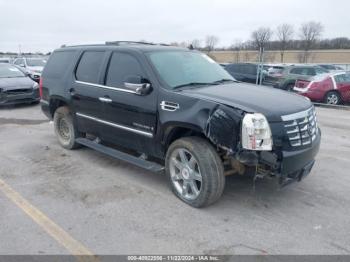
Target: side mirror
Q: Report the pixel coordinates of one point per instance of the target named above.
(139, 85)
(21, 65)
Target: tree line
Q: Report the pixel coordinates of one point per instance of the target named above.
(284, 37)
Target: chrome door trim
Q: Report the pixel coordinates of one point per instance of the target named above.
(106, 87)
(105, 99)
(140, 132)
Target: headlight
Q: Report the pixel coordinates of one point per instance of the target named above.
(35, 86)
(256, 133)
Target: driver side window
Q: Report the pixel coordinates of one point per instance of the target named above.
(121, 67)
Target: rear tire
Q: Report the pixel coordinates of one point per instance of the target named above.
(65, 129)
(332, 98)
(195, 171)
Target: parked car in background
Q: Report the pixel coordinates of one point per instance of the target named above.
(16, 87)
(33, 66)
(5, 60)
(286, 79)
(273, 72)
(331, 68)
(245, 72)
(331, 89)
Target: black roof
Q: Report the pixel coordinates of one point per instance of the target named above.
(142, 46)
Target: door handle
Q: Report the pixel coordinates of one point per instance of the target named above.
(105, 99)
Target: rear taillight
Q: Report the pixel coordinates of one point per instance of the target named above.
(41, 87)
(302, 83)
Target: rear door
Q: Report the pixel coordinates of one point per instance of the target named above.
(130, 118)
(86, 91)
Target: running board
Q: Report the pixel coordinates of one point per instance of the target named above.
(151, 166)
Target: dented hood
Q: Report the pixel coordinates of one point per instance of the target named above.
(271, 102)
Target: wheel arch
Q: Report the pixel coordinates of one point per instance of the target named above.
(174, 131)
(56, 102)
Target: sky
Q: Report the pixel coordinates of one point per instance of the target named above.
(43, 25)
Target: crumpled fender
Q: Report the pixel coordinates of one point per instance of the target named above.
(223, 127)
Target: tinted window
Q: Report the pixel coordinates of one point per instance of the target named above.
(310, 72)
(89, 66)
(320, 70)
(233, 68)
(343, 78)
(250, 69)
(122, 66)
(296, 71)
(58, 64)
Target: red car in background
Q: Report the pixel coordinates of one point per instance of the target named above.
(329, 88)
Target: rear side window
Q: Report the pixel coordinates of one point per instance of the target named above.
(310, 72)
(296, 71)
(121, 66)
(320, 70)
(343, 78)
(58, 64)
(89, 66)
(233, 68)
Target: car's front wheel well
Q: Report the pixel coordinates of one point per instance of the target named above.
(180, 132)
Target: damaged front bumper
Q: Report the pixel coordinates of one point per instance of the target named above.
(287, 166)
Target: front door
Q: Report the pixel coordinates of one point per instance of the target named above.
(130, 118)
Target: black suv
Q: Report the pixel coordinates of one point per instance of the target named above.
(162, 107)
(245, 72)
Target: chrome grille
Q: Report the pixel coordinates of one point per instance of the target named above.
(301, 128)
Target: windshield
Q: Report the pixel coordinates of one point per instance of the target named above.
(180, 68)
(36, 62)
(8, 71)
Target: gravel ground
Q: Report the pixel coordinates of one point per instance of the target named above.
(115, 208)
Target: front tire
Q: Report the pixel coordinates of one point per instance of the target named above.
(65, 129)
(195, 171)
(332, 98)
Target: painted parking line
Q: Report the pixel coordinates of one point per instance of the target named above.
(77, 249)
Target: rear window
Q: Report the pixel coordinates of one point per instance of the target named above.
(58, 64)
(89, 66)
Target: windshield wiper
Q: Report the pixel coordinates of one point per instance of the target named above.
(194, 84)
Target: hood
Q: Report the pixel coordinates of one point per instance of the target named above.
(271, 102)
(16, 83)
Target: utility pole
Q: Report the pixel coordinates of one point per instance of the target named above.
(260, 66)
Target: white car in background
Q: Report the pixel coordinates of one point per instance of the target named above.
(32, 66)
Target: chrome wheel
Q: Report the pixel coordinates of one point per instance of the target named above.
(332, 99)
(185, 174)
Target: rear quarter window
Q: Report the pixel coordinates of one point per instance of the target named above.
(58, 64)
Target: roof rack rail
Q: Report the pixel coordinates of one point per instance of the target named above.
(128, 43)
